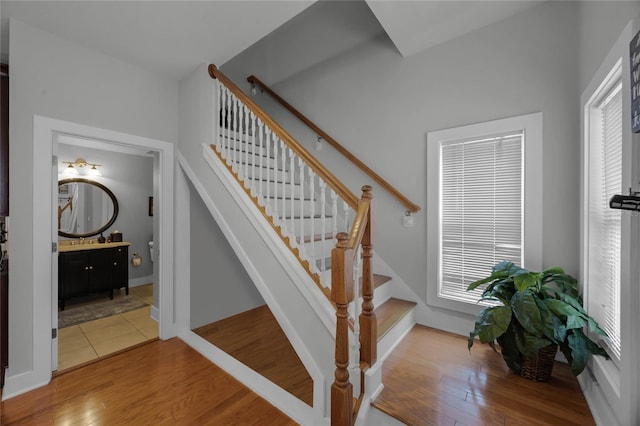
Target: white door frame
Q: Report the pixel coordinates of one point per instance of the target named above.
(45, 133)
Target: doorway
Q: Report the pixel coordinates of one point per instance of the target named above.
(101, 193)
(46, 136)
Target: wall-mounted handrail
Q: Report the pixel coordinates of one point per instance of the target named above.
(317, 167)
(411, 206)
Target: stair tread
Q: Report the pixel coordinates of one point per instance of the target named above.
(316, 216)
(378, 280)
(264, 179)
(258, 154)
(316, 237)
(390, 312)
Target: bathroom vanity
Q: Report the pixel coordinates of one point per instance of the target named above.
(85, 269)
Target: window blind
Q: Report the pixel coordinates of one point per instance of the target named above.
(481, 214)
(606, 309)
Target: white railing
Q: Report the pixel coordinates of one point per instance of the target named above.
(308, 211)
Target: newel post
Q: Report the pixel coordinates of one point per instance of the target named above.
(342, 295)
(368, 323)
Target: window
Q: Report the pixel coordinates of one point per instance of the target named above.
(605, 224)
(478, 217)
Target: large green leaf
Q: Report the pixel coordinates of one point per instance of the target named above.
(509, 350)
(553, 270)
(593, 326)
(492, 322)
(500, 290)
(529, 345)
(548, 325)
(580, 353)
(559, 330)
(573, 318)
(525, 279)
(565, 283)
(527, 312)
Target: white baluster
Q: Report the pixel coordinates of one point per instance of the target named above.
(334, 214)
(270, 175)
(283, 153)
(236, 124)
(243, 164)
(217, 139)
(225, 121)
(276, 213)
(250, 147)
(261, 139)
(301, 166)
(292, 167)
(347, 213)
(312, 208)
(323, 221)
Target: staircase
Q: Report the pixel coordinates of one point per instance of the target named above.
(328, 231)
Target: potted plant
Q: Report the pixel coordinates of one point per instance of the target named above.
(530, 315)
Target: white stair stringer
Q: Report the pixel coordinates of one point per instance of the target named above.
(300, 307)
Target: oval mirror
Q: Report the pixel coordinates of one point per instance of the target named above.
(85, 208)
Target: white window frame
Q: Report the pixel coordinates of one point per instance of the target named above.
(531, 125)
(614, 399)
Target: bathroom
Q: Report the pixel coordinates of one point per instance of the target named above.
(125, 179)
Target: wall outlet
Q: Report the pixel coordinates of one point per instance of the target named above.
(407, 221)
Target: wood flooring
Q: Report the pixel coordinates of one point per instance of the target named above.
(432, 379)
(429, 379)
(161, 383)
(255, 338)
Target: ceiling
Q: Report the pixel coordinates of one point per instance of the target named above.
(414, 26)
(172, 37)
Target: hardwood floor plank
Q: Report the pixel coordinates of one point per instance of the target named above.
(163, 382)
(431, 378)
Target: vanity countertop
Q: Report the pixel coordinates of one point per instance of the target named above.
(64, 246)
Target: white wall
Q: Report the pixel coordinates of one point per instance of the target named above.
(220, 286)
(55, 78)
(381, 106)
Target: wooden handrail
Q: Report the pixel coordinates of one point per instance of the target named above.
(414, 208)
(298, 149)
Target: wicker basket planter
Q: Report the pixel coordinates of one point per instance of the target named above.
(539, 368)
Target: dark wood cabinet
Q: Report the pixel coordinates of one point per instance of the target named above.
(98, 270)
(121, 268)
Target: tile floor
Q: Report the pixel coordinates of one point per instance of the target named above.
(85, 342)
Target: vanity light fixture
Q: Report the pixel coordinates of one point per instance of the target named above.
(81, 166)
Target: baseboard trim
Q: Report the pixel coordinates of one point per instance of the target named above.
(155, 313)
(135, 282)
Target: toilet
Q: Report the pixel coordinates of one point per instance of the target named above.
(151, 255)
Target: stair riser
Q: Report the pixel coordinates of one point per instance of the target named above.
(266, 162)
(243, 145)
(267, 174)
(296, 210)
(320, 251)
(289, 190)
(303, 226)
